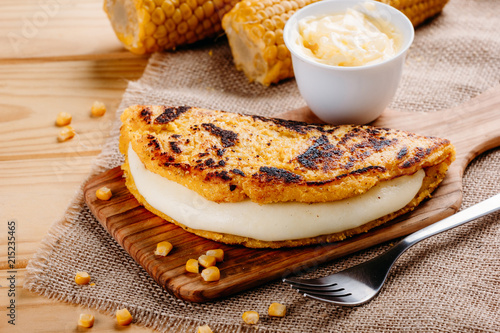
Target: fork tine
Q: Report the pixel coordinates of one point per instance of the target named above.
(321, 282)
(333, 288)
(343, 300)
(328, 293)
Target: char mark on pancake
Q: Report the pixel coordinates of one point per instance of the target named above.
(402, 153)
(146, 115)
(321, 152)
(419, 155)
(174, 146)
(297, 126)
(272, 174)
(170, 114)
(227, 138)
(153, 142)
(224, 175)
(238, 172)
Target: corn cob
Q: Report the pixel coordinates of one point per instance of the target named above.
(254, 29)
(145, 26)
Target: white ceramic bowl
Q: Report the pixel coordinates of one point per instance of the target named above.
(341, 95)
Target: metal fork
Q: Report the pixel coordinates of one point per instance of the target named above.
(359, 284)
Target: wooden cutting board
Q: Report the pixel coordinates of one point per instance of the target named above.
(473, 128)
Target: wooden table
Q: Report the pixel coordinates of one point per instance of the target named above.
(55, 55)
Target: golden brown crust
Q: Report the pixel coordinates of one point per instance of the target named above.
(228, 157)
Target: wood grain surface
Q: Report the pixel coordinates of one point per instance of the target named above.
(472, 128)
(48, 64)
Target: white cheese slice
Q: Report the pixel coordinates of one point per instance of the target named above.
(271, 222)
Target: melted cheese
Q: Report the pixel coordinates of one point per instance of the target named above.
(271, 222)
(347, 39)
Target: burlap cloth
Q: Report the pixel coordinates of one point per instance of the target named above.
(449, 283)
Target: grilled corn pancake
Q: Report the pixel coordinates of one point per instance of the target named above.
(242, 160)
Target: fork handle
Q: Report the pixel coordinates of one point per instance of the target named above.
(481, 209)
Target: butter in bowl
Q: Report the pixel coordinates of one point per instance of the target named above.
(348, 57)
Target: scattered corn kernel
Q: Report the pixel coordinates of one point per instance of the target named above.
(63, 119)
(98, 109)
(210, 274)
(250, 317)
(92, 284)
(123, 317)
(218, 254)
(82, 278)
(86, 320)
(163, 248)
(192, 266)
(66, 133)
(277, 310)
(207, 261)
(204, 329)
(104, 193)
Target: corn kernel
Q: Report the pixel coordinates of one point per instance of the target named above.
(257, 31)
(182, 28)
(158, 16)
(278, 22)
(161, 32)
(82, 278)
(192, 3)
(207, 261)
(217, 253)
(206, 25)
(278, 9)
(209, 9)
(104, 193)
(250, 317)
(63, 119)
(268, 25)
(149, 28)
(185, 11)
(170, 25)
(177, 16)
(162, 41)
(191, 37)
(269, 38)
(211, 274)
(150, 44)
(144, 16)
(199, 13)
(173, 36)
(98, 109)
(283, 52)
(277, 310)
(204, 329)
(66, 133)
(86, 320)
(192, 22)
(123, 317)
(163, 248)
(149, 5)
(168, 8)
(192, 266)
(218, 3)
